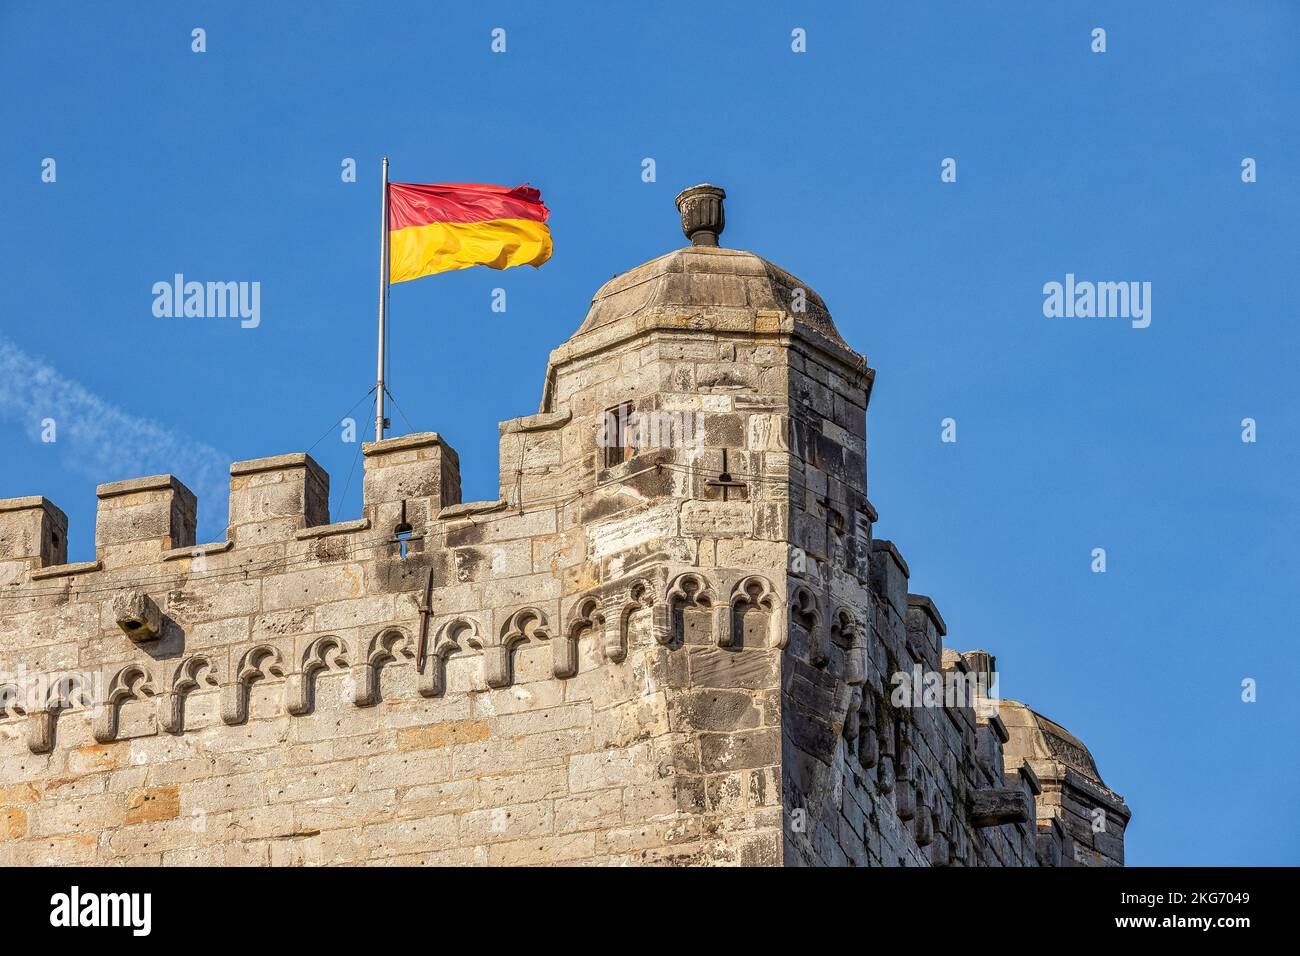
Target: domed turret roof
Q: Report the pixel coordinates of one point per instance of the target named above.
(706, 280)
(1051, 740)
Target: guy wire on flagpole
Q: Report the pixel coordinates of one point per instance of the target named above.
(380, 422)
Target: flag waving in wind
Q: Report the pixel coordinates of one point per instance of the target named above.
(439, 227)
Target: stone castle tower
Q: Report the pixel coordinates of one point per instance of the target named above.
(672, 639)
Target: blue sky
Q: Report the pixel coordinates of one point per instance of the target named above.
(1072, 433)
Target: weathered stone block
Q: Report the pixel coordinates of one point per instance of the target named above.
(993, 808)
(158, 510)
(137, 615)
(153, 803)
(32, 531)
(717, 518)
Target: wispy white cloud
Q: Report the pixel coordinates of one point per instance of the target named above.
(100, 441)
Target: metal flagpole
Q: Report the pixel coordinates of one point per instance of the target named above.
(380, 422)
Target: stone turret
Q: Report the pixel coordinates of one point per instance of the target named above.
(672, 636)
(1075, 799)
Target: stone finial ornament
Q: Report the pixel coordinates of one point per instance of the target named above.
(703, 218)
(137, 615)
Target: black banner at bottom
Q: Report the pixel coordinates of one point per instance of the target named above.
(135, 905)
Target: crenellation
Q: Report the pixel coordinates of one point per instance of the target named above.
(889, 574)
(33, 536)
(408, 481)
(140, 519)
(925, 630)
(271, 499)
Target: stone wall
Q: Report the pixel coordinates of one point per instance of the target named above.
(676, 647)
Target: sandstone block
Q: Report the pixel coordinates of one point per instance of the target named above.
(153, 803)
(442, 734)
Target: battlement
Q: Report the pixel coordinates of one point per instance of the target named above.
(688, 650)
(150, 521)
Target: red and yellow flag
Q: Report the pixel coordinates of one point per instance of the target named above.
(439, 227)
